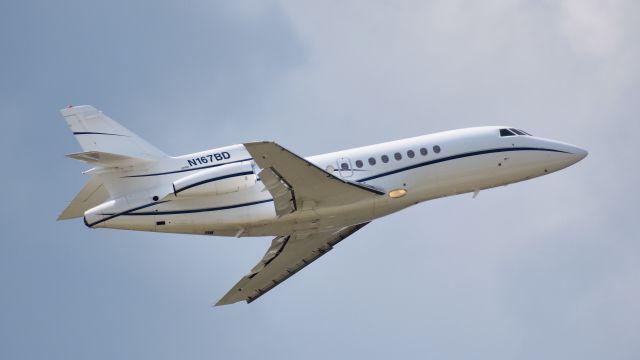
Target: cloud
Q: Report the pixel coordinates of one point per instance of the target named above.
(545, 268)
(593, 26)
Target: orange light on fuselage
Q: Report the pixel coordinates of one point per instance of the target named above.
(397, 193)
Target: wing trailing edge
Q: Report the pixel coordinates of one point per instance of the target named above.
(286, 256)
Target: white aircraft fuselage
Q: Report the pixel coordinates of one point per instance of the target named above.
(308, 204)
(468, 160)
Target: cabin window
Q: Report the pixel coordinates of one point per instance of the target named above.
(359, 163)
(436, 149)
(506, 132)
(385, 159)
(344, 166)
(397, 156)
(423, 151)
(410, 154)
(372, 161)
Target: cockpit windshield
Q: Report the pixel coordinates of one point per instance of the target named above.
(506, 132)
(513, 132)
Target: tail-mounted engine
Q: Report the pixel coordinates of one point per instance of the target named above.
(216, 181)
(219, 180)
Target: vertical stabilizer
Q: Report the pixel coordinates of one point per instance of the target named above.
(97, 132)
(113, 150)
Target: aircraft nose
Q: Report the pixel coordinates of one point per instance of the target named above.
(566, 155)
(578, 153)
(582, 153)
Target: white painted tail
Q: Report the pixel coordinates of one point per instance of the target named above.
(102, 138)
(113, 149)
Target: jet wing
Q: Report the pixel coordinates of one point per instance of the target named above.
(292, 180)
(286, 256)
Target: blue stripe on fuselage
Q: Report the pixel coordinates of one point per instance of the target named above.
(454, 157)
(94, 133)
(190, 211)
(406, 168)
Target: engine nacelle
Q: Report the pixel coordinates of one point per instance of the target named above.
(216, 181)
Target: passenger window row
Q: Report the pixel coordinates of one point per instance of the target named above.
(398, 156)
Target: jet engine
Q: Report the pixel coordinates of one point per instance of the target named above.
(216, 181)
(219, 180)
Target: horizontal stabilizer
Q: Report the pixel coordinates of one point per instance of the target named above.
(106, 159)
(92, 194)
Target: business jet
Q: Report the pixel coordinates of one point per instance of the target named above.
(307, 204)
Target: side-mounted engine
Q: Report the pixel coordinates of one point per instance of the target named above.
(216, 181)
(219, 180)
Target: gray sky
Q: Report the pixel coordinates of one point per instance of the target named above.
(548, 268)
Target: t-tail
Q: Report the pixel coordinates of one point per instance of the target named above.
(109, 147)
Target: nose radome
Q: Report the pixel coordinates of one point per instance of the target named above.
(580, 153)
(564, 154)
(575, 154)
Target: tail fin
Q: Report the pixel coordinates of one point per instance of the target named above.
(109, 146)
(102, 138)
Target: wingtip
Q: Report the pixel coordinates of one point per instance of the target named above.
(71, 109)
(226, 300)
(220, 303)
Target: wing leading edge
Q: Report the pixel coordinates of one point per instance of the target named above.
(292, 180)
(286, 256)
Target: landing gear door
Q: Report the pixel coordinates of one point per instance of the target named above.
(345, 168)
